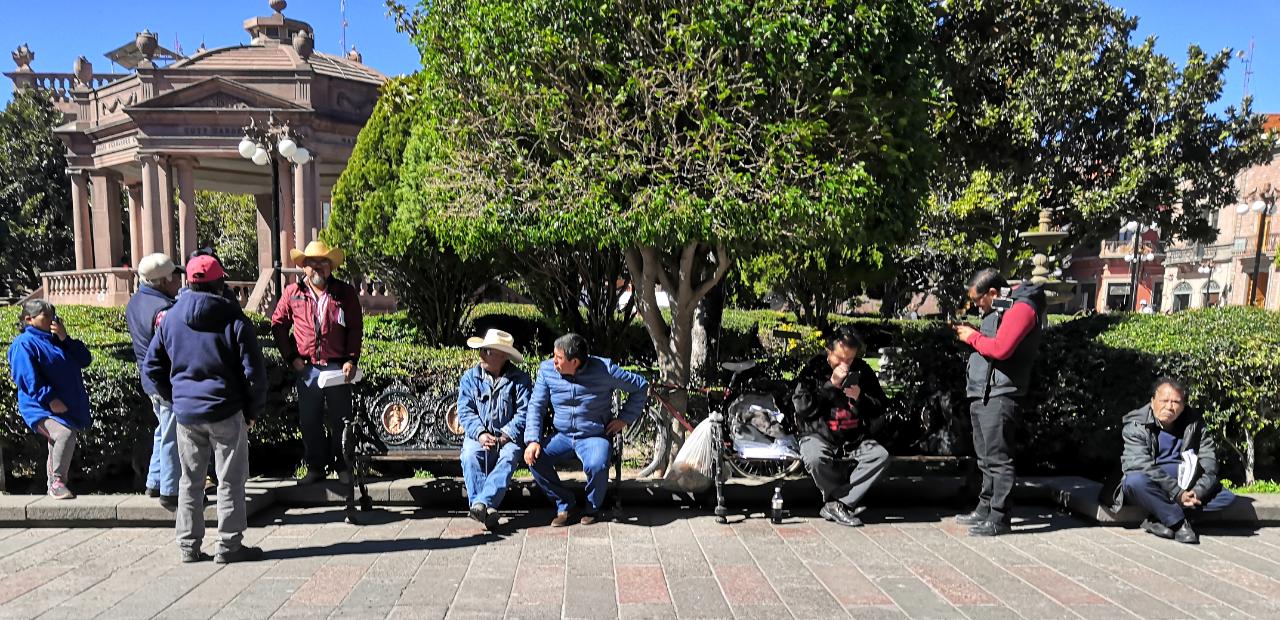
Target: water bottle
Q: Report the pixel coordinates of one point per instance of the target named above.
(775, 514)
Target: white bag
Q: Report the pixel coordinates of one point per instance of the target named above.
(693, 466)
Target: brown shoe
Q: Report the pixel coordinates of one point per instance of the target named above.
(589, 518)
(561, 520)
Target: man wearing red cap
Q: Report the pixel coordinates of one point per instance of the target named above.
(205, 359)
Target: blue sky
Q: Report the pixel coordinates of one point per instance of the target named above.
(61, 30)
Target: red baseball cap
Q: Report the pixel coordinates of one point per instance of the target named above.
(205, 269)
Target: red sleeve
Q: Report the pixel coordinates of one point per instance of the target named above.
(1015, 326)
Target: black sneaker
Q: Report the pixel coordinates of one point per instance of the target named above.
(479, 512)
(169, 502)
(1186, 535)
(153, 492)
(990, 528)
(973, 518)
(838, 512)
(243, 554)
(193, 555)
(1157, 528)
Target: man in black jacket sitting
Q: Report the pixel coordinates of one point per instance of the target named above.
(836, 397)
(1170, 464)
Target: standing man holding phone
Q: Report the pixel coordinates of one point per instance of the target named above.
(837, 396)
(999, 374)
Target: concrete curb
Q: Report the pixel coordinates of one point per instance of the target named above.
(1080, 496)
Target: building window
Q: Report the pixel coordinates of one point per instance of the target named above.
(1212, 294)
(1118, 297)
(1181, 296)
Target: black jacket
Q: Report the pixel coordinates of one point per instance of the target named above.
(817, 402)
(1141, 442)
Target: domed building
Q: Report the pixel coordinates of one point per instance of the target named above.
(172, 125)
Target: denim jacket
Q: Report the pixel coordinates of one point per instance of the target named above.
(582, 405)
(494, 406)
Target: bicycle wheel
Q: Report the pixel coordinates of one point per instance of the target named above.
(761, 469)
(647, 443)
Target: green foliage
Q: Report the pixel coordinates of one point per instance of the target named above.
(435, 285)
(35, 201)
(1258, 487)
(228, 223)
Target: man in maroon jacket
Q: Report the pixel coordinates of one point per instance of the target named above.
(318, 326)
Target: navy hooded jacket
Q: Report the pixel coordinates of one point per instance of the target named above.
(205, 359)
(140, 314)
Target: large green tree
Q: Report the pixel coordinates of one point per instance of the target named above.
(684, 133)
(1051, 104)
(35, 194)
(227, 223)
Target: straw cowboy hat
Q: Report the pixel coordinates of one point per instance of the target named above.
(317, 249)
(497, 340)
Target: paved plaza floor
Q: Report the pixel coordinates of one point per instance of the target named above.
(659, 563)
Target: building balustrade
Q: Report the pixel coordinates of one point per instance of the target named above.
(1197, 253)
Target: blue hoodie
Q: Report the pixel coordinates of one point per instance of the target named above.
(582, 404)
(205, 359)
(141, 314)
(44, 368)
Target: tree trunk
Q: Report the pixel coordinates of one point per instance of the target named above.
(706, 333)
(1248, 457)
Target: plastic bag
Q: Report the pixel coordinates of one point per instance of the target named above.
(693, 467)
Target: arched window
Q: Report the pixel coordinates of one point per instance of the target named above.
(1181, 296)
(1212, 294)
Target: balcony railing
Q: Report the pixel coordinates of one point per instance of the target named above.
(90, 287)
(1112, 248)
(1248, 246)
(60, 85)
(1197, 253)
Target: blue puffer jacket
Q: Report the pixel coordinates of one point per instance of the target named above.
(582, 404)
(44, 368)
(494, 408)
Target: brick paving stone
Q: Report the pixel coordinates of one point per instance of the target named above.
(745, 585)
(639, 584)
(849, 586)
(811, 600)
(915, 598)
(875, 613)
(698, 597)
(988, 612)
(590, 597)
(646, 611)
(958, 589)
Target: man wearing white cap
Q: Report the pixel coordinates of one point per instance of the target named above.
(160, 281)
(318, 326)
(492, 398)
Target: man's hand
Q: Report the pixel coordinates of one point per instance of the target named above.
(1189, 499)
(487, 440)
(615, 427)
(58, 329)
(348, 371)
(964, 332)
(838, 375)
(57, 406)
(853, 392)
(298, 364)
(531, 453)
(251, 421)
(503, 439)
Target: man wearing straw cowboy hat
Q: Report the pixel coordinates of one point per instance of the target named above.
(492, 398)
(318, 327)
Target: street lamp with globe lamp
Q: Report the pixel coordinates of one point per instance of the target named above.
(260, 145)
(1136, 258)
(1264, 206)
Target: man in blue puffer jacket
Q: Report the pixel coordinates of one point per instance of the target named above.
(205, 360)
(578, 389)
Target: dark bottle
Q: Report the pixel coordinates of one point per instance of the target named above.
(775, 512)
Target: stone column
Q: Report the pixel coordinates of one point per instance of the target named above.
(263, 202)
(315, 204)
(107, 242)
(287, 212)
(80, 221)
(134, 193)
(165, 177)
(150, 227)
(186, 208)
(304, 200)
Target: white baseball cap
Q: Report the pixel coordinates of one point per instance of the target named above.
(156, 266)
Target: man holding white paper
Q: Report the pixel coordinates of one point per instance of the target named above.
(319, 328)
(1170, 465)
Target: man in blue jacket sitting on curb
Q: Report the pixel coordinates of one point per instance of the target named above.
(205, 360)
(492, 398)
(578, 388)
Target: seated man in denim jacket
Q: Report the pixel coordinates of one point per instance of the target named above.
(492, 397)
(578, 389)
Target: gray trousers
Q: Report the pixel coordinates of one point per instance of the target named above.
(227, 441)
(62, 445)
(841, 481)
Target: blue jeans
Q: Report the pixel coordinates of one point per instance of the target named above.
(594, 454)
(1145, 492)
(164, 471)
(487, 473)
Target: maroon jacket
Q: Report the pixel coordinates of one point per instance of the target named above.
(341, 329)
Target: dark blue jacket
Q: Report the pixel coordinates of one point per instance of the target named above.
(140, 314)
(205, 359)
(582, 405)
(44, 368)
(497, 407)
